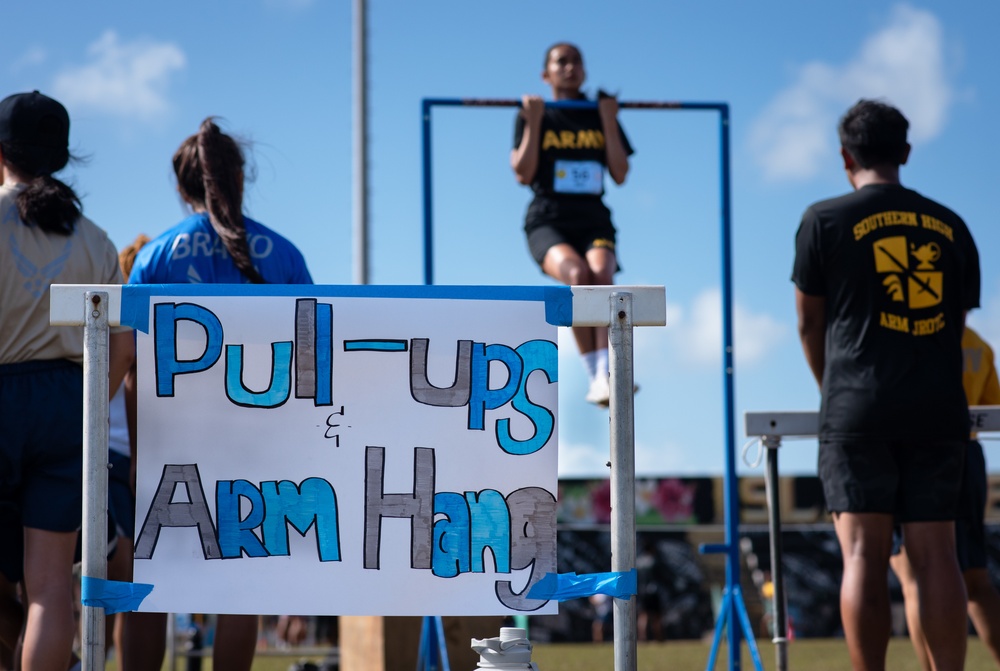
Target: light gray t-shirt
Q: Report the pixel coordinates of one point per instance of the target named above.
(31, 260)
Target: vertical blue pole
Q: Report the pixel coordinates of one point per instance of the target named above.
(731, 493)
(425, 107)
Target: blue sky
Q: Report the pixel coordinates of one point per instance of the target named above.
(139, 77)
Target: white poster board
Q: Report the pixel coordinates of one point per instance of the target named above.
(346, 450)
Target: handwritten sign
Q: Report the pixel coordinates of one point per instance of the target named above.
(346, 450)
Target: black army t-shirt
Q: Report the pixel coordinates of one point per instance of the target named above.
(898, 271)
(569, 181)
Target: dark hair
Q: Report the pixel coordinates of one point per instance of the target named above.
(874, 133)
(45, 201)
(548, 52)
(209, 170)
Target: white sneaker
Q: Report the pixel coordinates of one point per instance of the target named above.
(600, 391)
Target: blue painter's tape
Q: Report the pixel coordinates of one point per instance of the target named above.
(566, 586)
(559, 306)
(111, 595)
(558, 300)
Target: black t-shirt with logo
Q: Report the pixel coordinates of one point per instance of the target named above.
(569, 181)
(898, 271)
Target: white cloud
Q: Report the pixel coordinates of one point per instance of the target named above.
(582, 460)
(34, 56)
(123, 79)
(699, 337)
(903, 63)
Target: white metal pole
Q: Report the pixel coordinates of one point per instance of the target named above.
(360, 143)
(95, 468)
(622, 472)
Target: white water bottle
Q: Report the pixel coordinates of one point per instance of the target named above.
(512, 650)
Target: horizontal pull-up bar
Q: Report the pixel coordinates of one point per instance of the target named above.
(572, 104)
(806, 423)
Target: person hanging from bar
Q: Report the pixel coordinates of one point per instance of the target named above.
(217, 244)
(46, 240)
(562, 154)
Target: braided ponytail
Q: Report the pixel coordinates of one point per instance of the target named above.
(209, 169)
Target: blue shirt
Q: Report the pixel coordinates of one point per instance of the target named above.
(192, 253)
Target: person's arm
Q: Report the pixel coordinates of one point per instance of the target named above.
(524, 159)
(132, 421)
(121, 356)
(812, 331)
(615, 154)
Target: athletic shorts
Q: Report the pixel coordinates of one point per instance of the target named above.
(41, 442)
(913, 481)
(582, 238)
(970, 534)
(11, 542)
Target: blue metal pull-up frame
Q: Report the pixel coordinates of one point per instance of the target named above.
(733, 610)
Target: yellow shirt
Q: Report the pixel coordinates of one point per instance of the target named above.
(979, 375)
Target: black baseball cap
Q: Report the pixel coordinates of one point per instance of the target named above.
(37, 124)
(34, 119)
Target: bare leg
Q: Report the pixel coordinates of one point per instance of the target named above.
(865, 542)
(48, 579)
(931, 550)
(564, 264)
(602, 264)
(911, 599)
(235, 643)
(141, 638)
(119, 568)
(11, 622)
(984, 608)
(144, 642)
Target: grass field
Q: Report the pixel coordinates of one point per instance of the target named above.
(803, 655)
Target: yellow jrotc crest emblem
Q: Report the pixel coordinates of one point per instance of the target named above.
(915, 283)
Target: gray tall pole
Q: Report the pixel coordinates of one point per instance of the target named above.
(360, 143)
(622, 472)
(95, 471)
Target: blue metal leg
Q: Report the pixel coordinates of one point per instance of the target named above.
(734, 610)
(433, 652)
(747, 628)
(720, 626)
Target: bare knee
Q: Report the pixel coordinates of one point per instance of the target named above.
(575, 272)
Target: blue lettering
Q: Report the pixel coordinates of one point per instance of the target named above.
(538, 355)
(280, 386)
(312, 502)
(490, 529)
(451, 535)
(484, 398)
(235, 532)
(168, 366)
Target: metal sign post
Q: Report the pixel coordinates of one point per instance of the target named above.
(95, 467)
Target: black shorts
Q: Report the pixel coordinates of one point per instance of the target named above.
(581, 238)
(913, 481)
(970, 534)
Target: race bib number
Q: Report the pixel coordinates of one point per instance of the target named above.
(578, 177)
